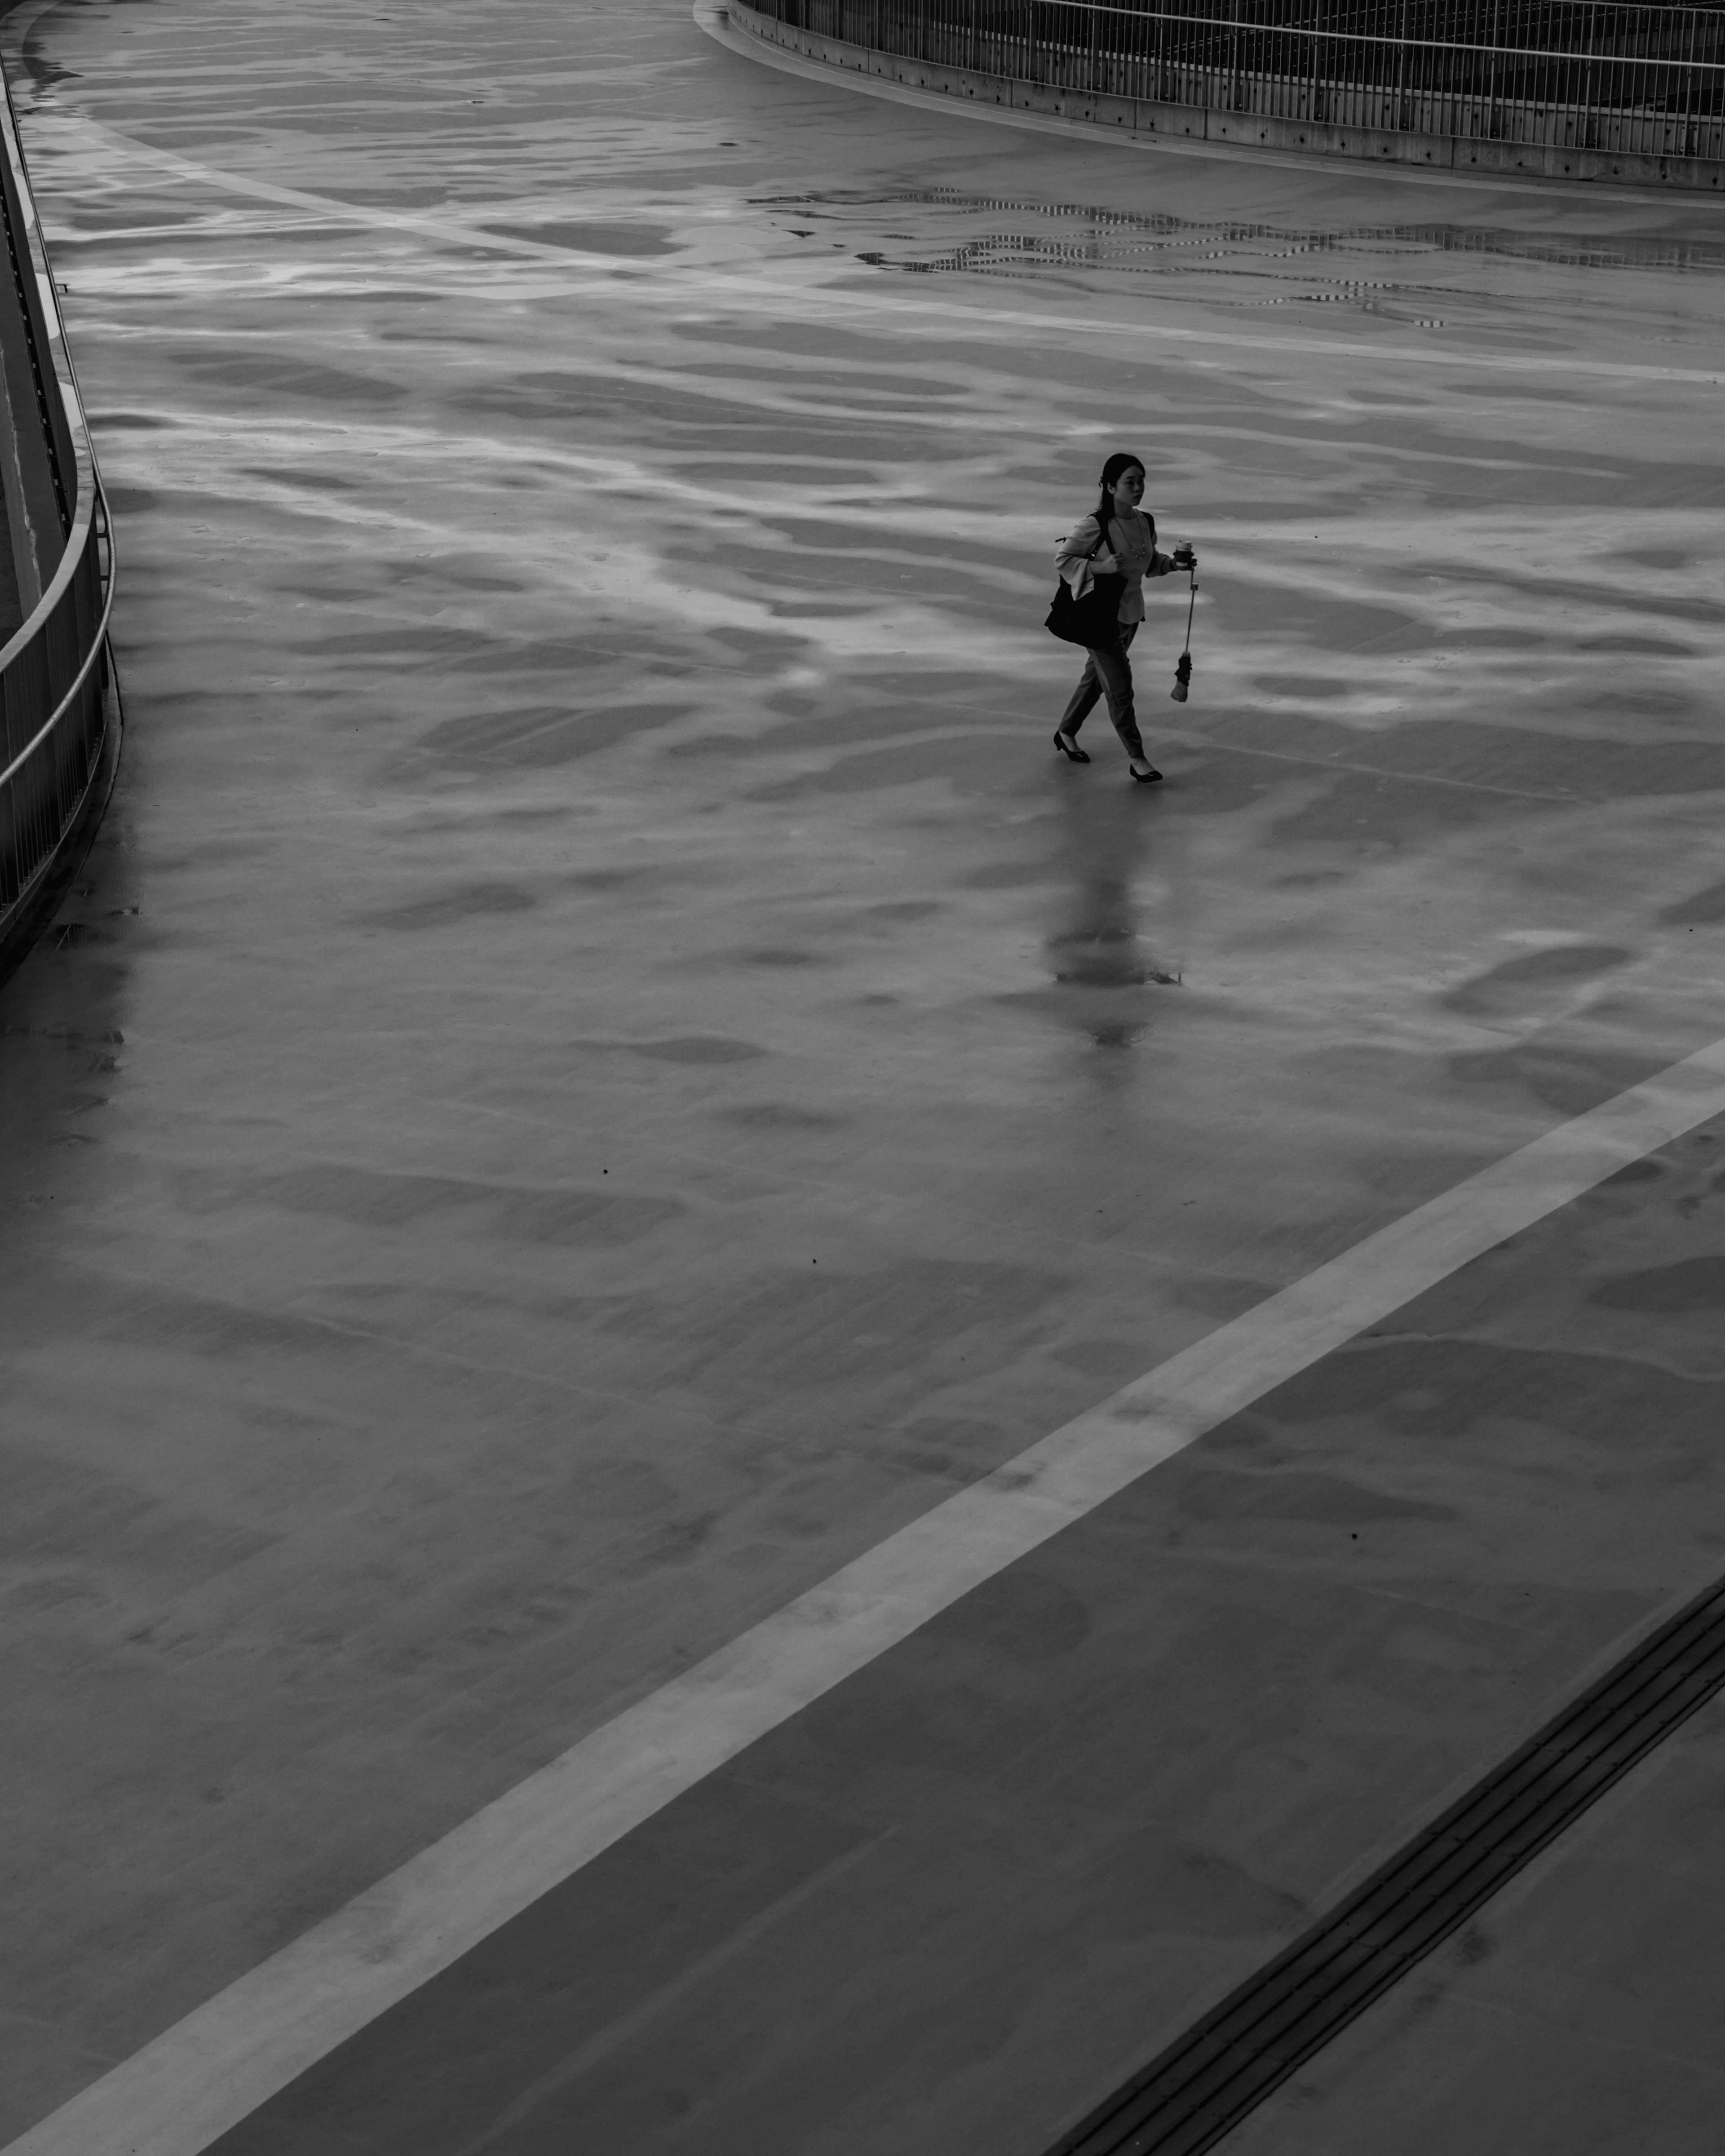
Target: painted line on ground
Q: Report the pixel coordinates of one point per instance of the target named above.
(203, 2075)
(700, 292)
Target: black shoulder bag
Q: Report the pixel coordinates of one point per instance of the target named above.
(1094, 620)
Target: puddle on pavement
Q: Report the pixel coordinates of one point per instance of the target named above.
(1242, 264)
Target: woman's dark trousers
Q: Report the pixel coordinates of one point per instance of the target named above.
(1108, 672)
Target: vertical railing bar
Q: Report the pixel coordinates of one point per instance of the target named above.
(1557, 74)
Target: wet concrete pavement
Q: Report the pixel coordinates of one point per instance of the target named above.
(956, 1903)
(601, 1064)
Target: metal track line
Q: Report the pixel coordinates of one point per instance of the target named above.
(1206, 2081)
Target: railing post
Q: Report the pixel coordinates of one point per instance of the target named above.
(1564, 73)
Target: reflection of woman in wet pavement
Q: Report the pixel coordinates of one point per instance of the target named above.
(1117, 540)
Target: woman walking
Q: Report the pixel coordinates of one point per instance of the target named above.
(1116, 540)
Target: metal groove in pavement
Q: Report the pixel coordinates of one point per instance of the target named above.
(1201, 2087)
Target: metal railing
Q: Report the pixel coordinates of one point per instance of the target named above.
(54, 706)
(1643, 81)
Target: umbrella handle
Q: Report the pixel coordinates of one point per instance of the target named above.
(1183, 671)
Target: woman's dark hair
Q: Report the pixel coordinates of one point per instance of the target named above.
(1118, 463)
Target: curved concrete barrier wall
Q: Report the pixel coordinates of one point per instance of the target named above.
(1563, 88)
(58, 729)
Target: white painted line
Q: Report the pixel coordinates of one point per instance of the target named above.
(816, 293)
(203, 2075)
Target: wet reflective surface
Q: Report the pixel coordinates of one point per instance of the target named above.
(1397, 271)
(601, 1062)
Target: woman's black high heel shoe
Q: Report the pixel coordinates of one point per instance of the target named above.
(1070, 748)
(1150, 778)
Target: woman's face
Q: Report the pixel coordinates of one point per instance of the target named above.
(1129, 488)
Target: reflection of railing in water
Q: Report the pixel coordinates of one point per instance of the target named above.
(1146, 231)
(1554, 77)
(54, 704)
